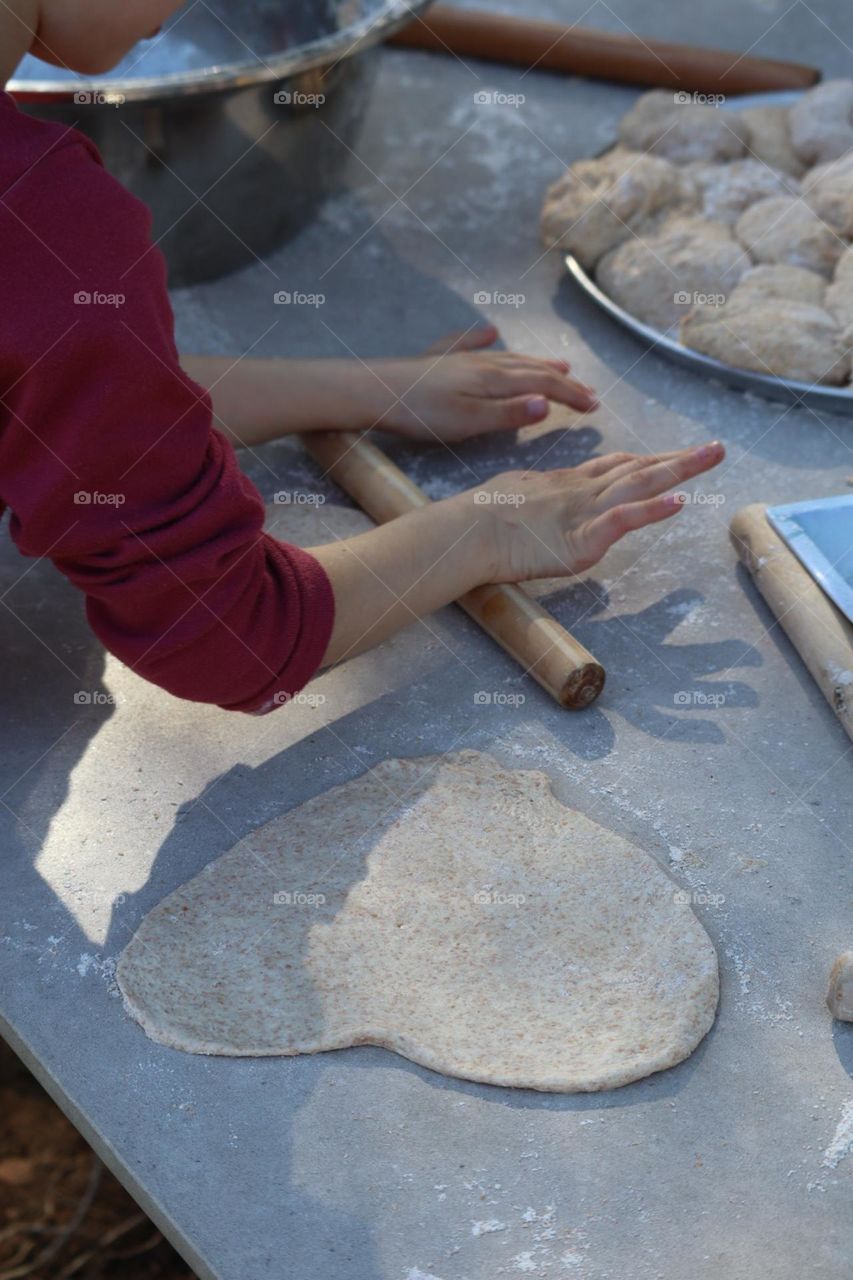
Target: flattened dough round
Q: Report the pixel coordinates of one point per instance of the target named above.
(786, 338)
(725, 190)
(597, 203)
(467, 920)
(656, 277)
(682, 131)
(822, 122)
(784, 229)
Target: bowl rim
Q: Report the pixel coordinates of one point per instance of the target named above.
(367, 31)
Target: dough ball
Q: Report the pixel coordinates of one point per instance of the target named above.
(725, 190)
(770, 138)
(822, 122)
(597, 203)
(839, 997)
(778, 336)
(781, 281)
(784, 229)
(682, 131)
(839, 295)
(828, 189)
(657, 277)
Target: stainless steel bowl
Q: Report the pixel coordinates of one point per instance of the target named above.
(233, 123)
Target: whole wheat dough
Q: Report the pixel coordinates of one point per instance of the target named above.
(443, 907)
(655, 278)
(780, 280)
(778, 336)
(662, 123)
(828, 189)
(725, 190)
(597, 204)
(822, 122)
(770, 139)
(783, 229)
(839, 294)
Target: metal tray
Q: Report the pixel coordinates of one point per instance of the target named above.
(818, 532)
(814, 395)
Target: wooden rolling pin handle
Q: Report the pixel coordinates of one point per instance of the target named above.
(583, 51)
(511, 617)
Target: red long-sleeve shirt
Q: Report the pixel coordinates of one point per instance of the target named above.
(109, 463)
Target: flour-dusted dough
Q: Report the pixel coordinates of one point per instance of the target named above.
(822, 122)
(443, 907)
(656, 277)
(725, 190)
(770, 138)
(828, 189)
(839, 295)
(784, 229)
(597, 204)
(778, 336)
(682, 131)
(780, 280)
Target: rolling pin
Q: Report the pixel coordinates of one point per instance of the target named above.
(522, 627)
(606, 55)
(820, 632)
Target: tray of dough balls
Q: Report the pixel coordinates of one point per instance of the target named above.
(721, 235)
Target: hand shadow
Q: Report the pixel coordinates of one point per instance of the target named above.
(674, 699)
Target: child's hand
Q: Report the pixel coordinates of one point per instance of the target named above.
(457, 390)
(542, 524)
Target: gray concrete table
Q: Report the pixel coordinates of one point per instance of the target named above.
(711, 748)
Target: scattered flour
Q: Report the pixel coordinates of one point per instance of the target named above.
(842, 1142)
(487, 1227)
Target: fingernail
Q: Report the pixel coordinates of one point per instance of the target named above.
(675, 499)
(706, 451)
(537, 406)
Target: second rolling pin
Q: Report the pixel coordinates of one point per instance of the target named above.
(582, 51)
(816, 628)
(510, 616)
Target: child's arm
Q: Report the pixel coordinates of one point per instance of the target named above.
(455, 391)
(557, 523)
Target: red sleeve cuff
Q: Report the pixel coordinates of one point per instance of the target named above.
(317, 620)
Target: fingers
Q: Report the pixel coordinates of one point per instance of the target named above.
(601, 532)
(503, 415)
(464, 340)
(658, 475)
(538, 379)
